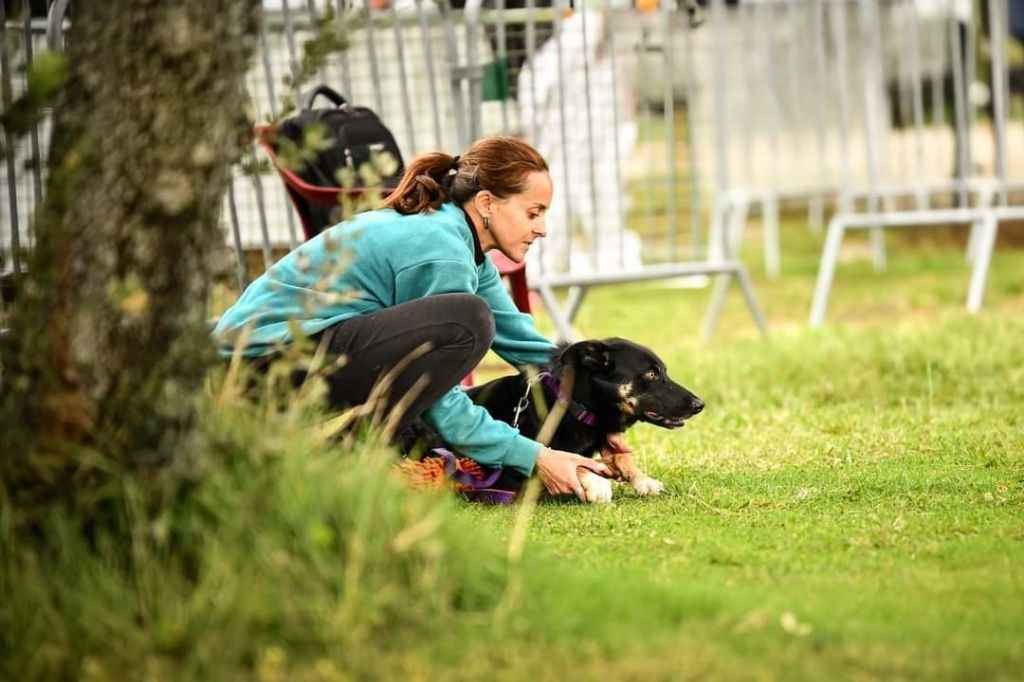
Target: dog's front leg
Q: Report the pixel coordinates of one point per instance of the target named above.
(621, 464)
(596, 489)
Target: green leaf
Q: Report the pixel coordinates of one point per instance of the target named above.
(46, 77)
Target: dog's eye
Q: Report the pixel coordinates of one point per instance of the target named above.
(651, 375)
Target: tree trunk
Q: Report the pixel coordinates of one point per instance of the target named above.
(109, 344)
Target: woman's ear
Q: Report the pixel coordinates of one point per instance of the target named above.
(482, 201)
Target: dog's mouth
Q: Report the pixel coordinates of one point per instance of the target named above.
(659, 419)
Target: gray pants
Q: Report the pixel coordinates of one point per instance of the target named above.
(458, 329)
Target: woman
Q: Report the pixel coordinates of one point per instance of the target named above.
(380, 286)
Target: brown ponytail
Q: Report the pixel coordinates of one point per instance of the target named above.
(498, 164)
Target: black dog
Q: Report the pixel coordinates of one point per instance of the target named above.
(615, 383)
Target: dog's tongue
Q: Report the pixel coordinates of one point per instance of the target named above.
(661, 419)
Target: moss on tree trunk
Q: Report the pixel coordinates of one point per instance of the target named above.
(109, 344)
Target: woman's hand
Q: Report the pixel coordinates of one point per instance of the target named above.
(557, 471)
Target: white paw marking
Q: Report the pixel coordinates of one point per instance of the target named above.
(645, 485)
(596, 489)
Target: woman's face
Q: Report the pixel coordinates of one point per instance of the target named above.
(519, 219)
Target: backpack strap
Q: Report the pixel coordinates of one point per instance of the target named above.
(328, 92)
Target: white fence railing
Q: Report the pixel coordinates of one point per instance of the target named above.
(663, 138)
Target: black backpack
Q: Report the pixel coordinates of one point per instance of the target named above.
(356, 135)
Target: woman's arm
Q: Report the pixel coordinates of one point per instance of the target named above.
(516, 338)
(468, 428)
(471, 430)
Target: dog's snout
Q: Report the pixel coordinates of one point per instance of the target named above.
(697, 405)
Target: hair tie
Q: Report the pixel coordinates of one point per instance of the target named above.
(455, 163)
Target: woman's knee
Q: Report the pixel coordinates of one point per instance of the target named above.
(471, 313)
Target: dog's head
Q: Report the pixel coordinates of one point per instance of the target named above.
(629, 381)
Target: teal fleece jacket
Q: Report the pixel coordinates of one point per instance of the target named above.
(377, 260)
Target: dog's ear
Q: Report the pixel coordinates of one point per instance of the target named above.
(593, 355)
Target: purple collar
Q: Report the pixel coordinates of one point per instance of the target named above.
(577, 410)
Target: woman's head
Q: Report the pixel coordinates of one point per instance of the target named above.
(502, 182)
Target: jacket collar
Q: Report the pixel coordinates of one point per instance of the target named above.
(478, 252)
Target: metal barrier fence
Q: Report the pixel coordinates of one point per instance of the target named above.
(22, 175)
(570, 82)
(985, 188)
(662, 138)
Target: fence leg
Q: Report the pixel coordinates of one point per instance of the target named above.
(772, 250)
(878, 255)
(985, 196)
(748, 296)
(735, 215)
(554, 308)
(722, 283)
(827, 270)
(715, 307)
(988, 228)
(717, 230)
(236, 234)
(576, 295)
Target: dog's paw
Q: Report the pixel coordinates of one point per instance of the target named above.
(596, 489)
(645, 485)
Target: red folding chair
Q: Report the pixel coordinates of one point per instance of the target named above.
(514, 273)
(298, 188)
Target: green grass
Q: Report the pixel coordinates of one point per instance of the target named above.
(850, 505)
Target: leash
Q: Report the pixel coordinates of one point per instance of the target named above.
(472, 480)
(547, 379)
(577, 410)
(524, 402)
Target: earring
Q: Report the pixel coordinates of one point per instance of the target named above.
(487, 223)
